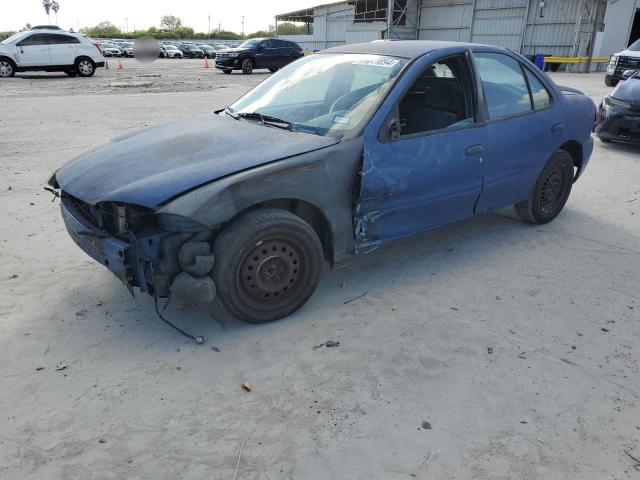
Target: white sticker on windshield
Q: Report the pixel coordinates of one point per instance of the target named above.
(377, 61)
(343, 120)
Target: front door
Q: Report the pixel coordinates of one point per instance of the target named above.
(423, 164)
(33, 51)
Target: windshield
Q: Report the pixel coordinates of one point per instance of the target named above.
(14, 38)
(635, 46)
(327, 93)
(250, 44)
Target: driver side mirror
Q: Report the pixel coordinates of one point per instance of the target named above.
(394, 130)
(627, 74)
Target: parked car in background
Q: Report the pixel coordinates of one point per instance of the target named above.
(126, 48)
(348, 149)
(110, 49)
(618, 116)
(627, 59)
(46, 27)
(209, 51)
(270, 53)
(171, 51)
(50, 51)
(190, 50)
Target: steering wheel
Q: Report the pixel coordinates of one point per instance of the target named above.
(351, 98)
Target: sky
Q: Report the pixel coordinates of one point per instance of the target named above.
(142, 14)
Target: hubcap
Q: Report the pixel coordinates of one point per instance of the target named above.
(249, 66)
(271, 271)
(85, 67)
(551, 192)
(5, 69)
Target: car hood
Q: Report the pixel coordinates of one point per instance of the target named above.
(628, 90)
(156, 164)
(629, 53)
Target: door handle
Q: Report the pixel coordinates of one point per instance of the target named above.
(557, 128)
(474, 150)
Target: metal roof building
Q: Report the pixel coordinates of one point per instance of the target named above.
(556, 27)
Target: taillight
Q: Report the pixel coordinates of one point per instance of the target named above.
(97, 45)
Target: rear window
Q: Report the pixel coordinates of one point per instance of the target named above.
(539, 94)
(55, 39)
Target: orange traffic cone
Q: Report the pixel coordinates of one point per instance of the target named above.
(206, 63)
(120, 65)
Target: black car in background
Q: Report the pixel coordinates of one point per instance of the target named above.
(270, 53)
(191, 51)
(209, 51)
(618, 116)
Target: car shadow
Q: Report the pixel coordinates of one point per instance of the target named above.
(455, 248)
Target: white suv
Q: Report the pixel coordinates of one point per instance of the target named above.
(50, 51)
(627, 59)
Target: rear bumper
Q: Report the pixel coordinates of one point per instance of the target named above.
(99, 64)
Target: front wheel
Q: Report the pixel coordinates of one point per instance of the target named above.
(85, 67)
(7, 68)
(226, 71)
(268, 264)
(609, 81)
(247, 66)
(550, 192)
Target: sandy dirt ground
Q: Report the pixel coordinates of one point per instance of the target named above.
(519, 344)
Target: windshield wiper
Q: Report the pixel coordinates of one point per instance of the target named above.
(268, 119)
(229, 112)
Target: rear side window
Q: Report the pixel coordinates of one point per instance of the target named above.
(539, 94)
(61, 39)
(505, 89)
(38, 39)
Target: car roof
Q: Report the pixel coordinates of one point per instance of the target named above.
(401, 48)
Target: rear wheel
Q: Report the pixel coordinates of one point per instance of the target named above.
(247, 66)
(551, 191)
(268, 264)
(7, 68)
(273, 70)
(85, 67)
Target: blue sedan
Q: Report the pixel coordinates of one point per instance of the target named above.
(334, 155)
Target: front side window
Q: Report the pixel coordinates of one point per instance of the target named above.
(440, 98)
(326, 93)
(505, 89)
(266, 44)
(38, 39)
(539, 94)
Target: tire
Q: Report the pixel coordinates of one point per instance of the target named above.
(247, 66)
(7, 68)
(71, 73)
(550, 192)
(604, 140)
(85, 67)
(226, 71)
(268, 264)
(273, 70)
(609, 81)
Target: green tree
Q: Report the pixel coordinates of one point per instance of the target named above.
(290, 28)
(104, 29)
(170, 23)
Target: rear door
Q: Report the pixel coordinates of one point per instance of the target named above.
(524, 127)
(423, 164)
(63, 48)
(33, 51)
(268, 55)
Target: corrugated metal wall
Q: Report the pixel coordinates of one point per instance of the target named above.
(517, 24)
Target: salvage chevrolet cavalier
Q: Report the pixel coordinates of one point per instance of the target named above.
(348, 149)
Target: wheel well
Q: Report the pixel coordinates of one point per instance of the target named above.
(8, 59)
(574, 149)
(75, 62)
(307, 212)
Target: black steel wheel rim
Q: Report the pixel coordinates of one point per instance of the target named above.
(271, 273)
(552, 191)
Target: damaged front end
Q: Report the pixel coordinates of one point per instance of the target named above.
(162, 254)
